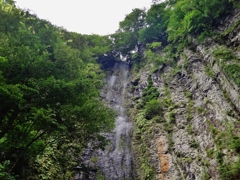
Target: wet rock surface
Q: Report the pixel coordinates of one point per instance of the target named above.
(114, 162)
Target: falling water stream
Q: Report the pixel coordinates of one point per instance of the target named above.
(115, 162)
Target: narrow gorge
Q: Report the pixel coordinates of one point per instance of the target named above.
(158, 99)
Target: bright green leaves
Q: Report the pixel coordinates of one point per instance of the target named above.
(150, 92)
(24, 57)
(49, 91)
(153, 108)
(194, 17)
(9, 17)
(67, 62)
(133, 21)
(123, 43)
(154, 45)
(98, 45)
(43, 118)
(175, 28)
(156, 23)
(169, 21)
(229, 63)
(125, 39)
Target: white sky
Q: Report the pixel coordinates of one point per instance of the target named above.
(84, 16)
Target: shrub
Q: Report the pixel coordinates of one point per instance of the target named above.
(233, 71)
(153, 108)
(149, 92)
(235, 144)
(224, 54)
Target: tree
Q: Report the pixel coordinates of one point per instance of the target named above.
(192, 17)
(48, 86)
(125, 39)
(156, 24)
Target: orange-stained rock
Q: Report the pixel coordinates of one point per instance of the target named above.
(164, 158)
(164, 162)
(161, 177)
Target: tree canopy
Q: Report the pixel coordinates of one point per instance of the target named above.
(49, 94)
(167, 22)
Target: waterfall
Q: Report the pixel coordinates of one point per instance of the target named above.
(115, 162)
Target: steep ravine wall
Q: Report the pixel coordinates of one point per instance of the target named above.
(196, 134)
(114, 161)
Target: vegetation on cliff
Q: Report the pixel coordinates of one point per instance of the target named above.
(164, 31)
(169, 23)
(50, 82)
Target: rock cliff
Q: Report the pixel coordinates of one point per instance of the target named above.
(192, 130)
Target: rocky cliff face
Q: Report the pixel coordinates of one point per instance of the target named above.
(185, 114)
(195, 133)
(114, 161)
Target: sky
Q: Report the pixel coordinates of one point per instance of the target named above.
(83, 16)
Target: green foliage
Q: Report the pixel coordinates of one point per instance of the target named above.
(176, 69)
(168, 128)
(165, 22)
(148, 172)
(226, 139)
(154, 45)
(205, 34)
(209, 71)
(125, 39)
(154, 58)
(161, 60)
(156, 24)
(4, 174)
(235, 144)
(49, 82)
(231, 171)
(99, 175)
(153, 108)
(194, 17)
(149, 92)
(236, 4)
(142, 134)
(231, 28)
(171, 117)
(224, 54)
(194, 144)
(233, 71)
(229, 63)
